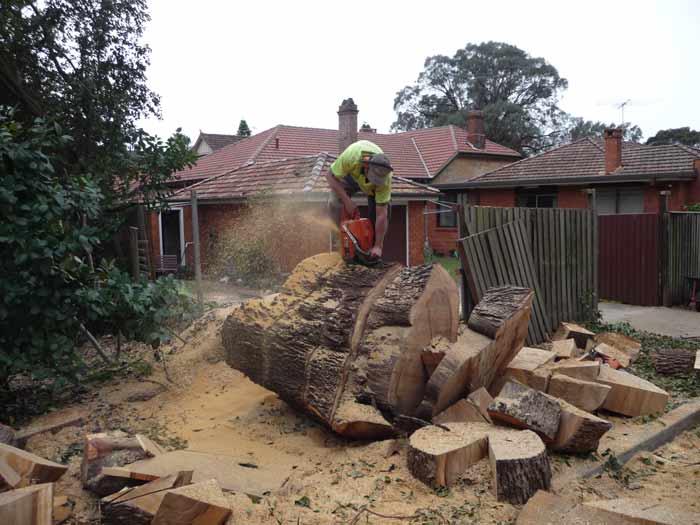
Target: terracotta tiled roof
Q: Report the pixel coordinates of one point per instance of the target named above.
(217, 141)
(585, 158)
(414, 154)
(294, 176)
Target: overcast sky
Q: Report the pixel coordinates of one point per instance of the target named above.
(216, 62)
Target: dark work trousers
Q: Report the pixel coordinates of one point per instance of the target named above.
(351, 188)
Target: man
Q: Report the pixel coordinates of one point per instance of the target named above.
(363, 166)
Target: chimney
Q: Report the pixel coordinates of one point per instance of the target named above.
(367, 128)
(347, 124)
(475, 129)
(613, 149)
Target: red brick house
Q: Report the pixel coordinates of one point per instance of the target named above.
(263, 162)
(628, 177)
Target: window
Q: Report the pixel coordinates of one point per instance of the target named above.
(620, 200)
(537, 199)
(447, 219)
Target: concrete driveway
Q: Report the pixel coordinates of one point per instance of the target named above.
(676, 322)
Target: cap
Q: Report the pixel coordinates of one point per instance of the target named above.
(381, 161)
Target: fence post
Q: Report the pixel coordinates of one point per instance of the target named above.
(195, 239)
(466, 304)
(664, 240)
(593, 205)
(134, 251)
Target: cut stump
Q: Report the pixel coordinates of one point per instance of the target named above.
(19, 468)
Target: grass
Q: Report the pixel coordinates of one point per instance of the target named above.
(448, 262)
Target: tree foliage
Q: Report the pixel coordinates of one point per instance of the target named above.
(243, 129)
(580, 128)
(685, 135)
(517, 92)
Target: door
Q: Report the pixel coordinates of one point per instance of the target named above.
(395, 249)
(171, 231)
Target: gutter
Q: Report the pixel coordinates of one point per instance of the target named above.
(565, 181)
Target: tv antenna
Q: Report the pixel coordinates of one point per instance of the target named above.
(621, 107)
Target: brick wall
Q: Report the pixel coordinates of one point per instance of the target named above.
(416, 233)
(442, 240)
(504, 198)
(572, 198)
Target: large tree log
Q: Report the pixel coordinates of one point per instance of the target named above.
(343, 342)
(673, 361)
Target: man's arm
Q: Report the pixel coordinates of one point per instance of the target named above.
(339, 190)
(380, 228)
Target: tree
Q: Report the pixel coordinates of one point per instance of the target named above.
(517, 92)
(685, 135)
(243, 129)
(580, 128)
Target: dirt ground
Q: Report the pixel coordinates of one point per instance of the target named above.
(213, 408)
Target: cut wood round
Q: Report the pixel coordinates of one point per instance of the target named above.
(519, 465)
(673, 361)
(345, 343)
(579, 432)
(199, 504)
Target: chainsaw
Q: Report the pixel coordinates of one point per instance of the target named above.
(357, 239)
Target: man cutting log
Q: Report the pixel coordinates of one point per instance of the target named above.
(363, 166)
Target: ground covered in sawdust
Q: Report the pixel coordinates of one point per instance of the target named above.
(210, 407)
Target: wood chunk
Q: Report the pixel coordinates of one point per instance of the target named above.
(545, 508)
(622, 342)
(438, 457)
(61, 510)
(463, 411)
(475, 360)
(610, 352)
(579, 432)
(7, 435)
(696, 366)
(482, 399)
(585, 395)
(565, 349)
(227, 470)
(498, 305)
(112, 449)
(631, 395)
(585, 370)
(139, 505)
(59, 422)
(523, 407)
(519, 464)
(573, 331)
(19, 468)
(30, 505)
(433, 354)
(644, 512)
(673, 361)
(199, 504)
(525, 368)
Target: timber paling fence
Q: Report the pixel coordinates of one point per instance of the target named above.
(683, 254)
(553, 251)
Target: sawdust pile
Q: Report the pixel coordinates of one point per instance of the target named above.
(213, 408)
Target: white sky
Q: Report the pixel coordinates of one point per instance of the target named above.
(292, 62)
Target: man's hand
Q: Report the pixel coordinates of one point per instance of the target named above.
(376, 251)
(350, 207)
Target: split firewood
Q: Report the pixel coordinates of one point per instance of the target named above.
(631, 395)
(585, 370)
(463, 411)
(7, 435)
(573, 331)
(545, 508)
(673, 361)
(642, 511)
(477, 359)
(565, 349)
(482, 399)
(341, 333)
(526, 369)
(523, 407)
(622, 342)
(30, 505)
(610, 352)
(19, 468)
(112, 449)
(585, 395)
(199, 504)
(519, 465)
(433, 354)
(579, 432)
(139, 505)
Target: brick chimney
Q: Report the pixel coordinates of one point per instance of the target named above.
(347, 124)
(613, 149)
(475, 128)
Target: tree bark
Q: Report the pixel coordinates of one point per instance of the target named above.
(673, 361)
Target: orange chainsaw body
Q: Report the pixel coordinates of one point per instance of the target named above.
(362, 232)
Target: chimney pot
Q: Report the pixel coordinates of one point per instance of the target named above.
(347, 124)
(613, 149)
(476, 135)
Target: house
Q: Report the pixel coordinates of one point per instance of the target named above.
(208, 143)
(628, 177)
(263, 163)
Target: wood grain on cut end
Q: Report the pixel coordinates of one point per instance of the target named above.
(585, 395)
(579, 432)
(631, 395)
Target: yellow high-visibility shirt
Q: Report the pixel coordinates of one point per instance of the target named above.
(350, 163)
